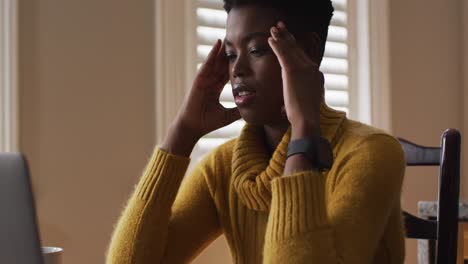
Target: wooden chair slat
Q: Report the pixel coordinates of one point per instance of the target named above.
(445, 228)
(419, 228)
(417, 155)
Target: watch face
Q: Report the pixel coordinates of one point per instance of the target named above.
(318, 150)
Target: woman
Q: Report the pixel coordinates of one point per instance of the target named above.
(301, 184)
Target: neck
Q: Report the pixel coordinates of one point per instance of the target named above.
(273, 135)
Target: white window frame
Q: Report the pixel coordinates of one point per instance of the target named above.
(367, 17)
(371, 95)
(379, 55)
(9, 127)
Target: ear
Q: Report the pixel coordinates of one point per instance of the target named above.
(311, 44)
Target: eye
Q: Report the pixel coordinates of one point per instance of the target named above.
(231, 57)
(258, 51)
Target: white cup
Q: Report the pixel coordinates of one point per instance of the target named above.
(52, 255)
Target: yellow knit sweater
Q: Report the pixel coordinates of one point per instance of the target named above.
(350, 214)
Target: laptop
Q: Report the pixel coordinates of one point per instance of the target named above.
(19, 233)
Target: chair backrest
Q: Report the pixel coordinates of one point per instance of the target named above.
(445, 228)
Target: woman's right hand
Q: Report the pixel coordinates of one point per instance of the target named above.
(201, 112)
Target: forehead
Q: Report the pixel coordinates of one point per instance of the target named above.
(248, 19)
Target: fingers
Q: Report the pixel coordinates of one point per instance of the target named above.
(211, 58)
(322, 78)
(222, 64)
(286, 48)
(221, 69)
(222, 50)
(281, 46)
(215, 71)
(284, 33)
(214, 52)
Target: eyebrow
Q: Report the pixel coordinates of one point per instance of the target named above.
(249, 37)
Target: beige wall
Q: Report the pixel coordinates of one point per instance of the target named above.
(465, 97)
(86, 84)
(465, 115)
(87, 121)
(427, 85)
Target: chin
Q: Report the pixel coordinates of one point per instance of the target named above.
(252, 118)
(261, 120)
(251, 121)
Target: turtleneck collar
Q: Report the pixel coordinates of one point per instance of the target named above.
(252, 168)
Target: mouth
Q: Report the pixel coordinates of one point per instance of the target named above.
(243, 95)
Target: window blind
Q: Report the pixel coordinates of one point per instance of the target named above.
(210, 25)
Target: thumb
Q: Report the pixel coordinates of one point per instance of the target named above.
(322, 78)
(231, 115)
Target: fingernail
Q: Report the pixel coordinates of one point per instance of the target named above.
(281, 24)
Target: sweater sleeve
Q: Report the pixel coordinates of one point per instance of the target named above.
(305, 226)
(163, 223)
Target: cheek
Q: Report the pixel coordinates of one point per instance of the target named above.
(269, 74)
(269, 65)
(230, 70)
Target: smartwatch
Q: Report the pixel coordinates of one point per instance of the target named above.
(316, 149)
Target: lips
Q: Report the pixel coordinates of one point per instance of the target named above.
(243, 94)
(241, 89)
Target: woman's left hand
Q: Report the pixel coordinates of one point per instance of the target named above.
(303, 83)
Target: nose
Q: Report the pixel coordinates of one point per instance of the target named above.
(240, 67)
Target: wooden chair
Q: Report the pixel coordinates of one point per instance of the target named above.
(444, 229)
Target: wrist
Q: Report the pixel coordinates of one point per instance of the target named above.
(179, 141)
(305, 129)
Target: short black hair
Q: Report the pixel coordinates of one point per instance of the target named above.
(301, 16)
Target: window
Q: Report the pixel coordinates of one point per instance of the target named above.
(356, 61)
(209, 24)
(8, 90)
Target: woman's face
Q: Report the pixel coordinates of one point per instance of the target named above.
(254, 70)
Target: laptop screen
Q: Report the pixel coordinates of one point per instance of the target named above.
(19, 236)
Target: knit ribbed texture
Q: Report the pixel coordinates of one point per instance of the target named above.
(298, 205)
(153, 186)
(148, 210)
(350, 214)
(253, 170)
